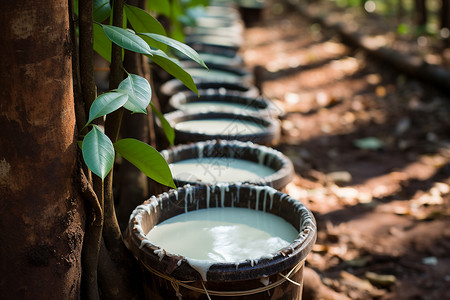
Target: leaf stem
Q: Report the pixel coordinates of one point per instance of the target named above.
(91, 245)
(92, 239)
(120, 256)
(87, 53)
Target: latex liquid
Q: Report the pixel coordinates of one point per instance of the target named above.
(212, 170)
(217, 106)
(225, 234)
(220, 126)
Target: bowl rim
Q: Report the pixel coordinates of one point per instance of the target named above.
(172, 86)
(179, 267)
(262, 104)
(279, 179)
(270, 132)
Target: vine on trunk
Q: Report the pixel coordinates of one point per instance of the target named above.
(105, 258)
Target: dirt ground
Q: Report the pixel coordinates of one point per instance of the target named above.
(371, 149)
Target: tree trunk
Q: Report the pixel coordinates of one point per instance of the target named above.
(41, 226)
(421, 12)
(445, 14)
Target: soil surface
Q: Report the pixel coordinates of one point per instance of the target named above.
(371, 149)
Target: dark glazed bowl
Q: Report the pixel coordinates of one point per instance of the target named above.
(268, 135)
(214, 59)
(228, 101)
(244, 276)
(173, 86)
(269, 157)
(222, 73)
(231, 42)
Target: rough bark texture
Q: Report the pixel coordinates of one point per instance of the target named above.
(41, 229)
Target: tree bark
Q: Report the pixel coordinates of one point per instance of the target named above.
(41, 226)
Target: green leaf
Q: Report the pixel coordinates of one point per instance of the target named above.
(159, 6)
(126, 39)
(102, 10)
(177, 32)
(146, 159)
(403, 29)
(194, 3)
(75, 7)
(102, 44)
(183, 48)
(106, 103)
(144, 22)
(168, 130)
(172, 67)
(176, 10)
(177, 28)
(98, 152)
(139, 93)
